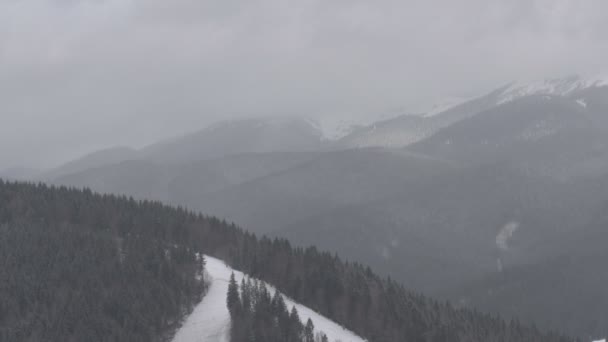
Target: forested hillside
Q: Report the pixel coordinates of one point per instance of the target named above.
(257, 315)
(74, 240)
(75, 279)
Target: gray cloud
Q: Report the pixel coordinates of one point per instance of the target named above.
(78, 75)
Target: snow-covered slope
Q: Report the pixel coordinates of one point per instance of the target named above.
(445, 105)
(556, 87)
(210, 320)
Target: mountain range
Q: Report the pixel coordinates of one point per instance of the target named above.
(495, 203)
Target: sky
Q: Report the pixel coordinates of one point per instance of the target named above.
(80, 75)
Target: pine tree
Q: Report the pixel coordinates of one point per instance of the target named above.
(295, 325)
(233, 300)
(246, 295)
(309, 331)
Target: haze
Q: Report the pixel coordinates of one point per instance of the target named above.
(76, 76)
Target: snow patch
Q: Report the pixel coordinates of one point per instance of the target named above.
(331, 129)
(582, 103)
(556, 87)
(505, 234)
(445, 105)
(210, 320)
(334, 128)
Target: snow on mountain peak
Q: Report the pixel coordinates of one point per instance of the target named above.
(555, 87)
(445, 105)
(332, 128)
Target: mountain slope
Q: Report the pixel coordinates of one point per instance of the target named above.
(210, 320)
(554, 87)
(554, 136)
(349, 294)
(237, 137)
(405, 130)
(93, 160)
(330, 181)
(224, 139)
(453, 232)
(19, 173)
(189, 184)
(294, 185)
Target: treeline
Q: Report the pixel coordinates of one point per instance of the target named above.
(258, 316)
(352, 295)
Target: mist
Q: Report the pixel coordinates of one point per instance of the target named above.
(76, 76)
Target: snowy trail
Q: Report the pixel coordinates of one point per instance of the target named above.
(210, 320)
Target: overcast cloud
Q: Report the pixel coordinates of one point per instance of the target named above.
(80, 75)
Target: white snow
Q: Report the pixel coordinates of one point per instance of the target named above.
(604, 340)
(505, 234)
(445, 105)
(331, 129)
(582, 103)
(557, 87)
(210, 320)
(334, 128)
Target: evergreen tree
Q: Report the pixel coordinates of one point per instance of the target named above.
(309, 331)
(129, 271)
(295, 326)
(246, 294)
(233, 301)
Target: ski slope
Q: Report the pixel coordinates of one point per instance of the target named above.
(210, 319)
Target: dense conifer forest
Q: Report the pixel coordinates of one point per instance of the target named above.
(80, 266)
(257, 315)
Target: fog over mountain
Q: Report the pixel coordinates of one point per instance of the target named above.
(85, 75)
(492, 194)
(399, 170)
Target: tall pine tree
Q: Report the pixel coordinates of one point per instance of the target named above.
(233, 299)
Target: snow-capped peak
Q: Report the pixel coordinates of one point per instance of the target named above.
(555, 87)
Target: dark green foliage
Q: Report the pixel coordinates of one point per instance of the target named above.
(233, 300)
(63, 279)
(350, 294)
(309, 331)
(265, 318)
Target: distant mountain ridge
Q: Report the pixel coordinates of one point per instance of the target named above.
(404, 130)
(437, 189)
(264, 135)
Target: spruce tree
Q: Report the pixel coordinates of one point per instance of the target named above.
(295, 325)
(233, 300)
(309, 331)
